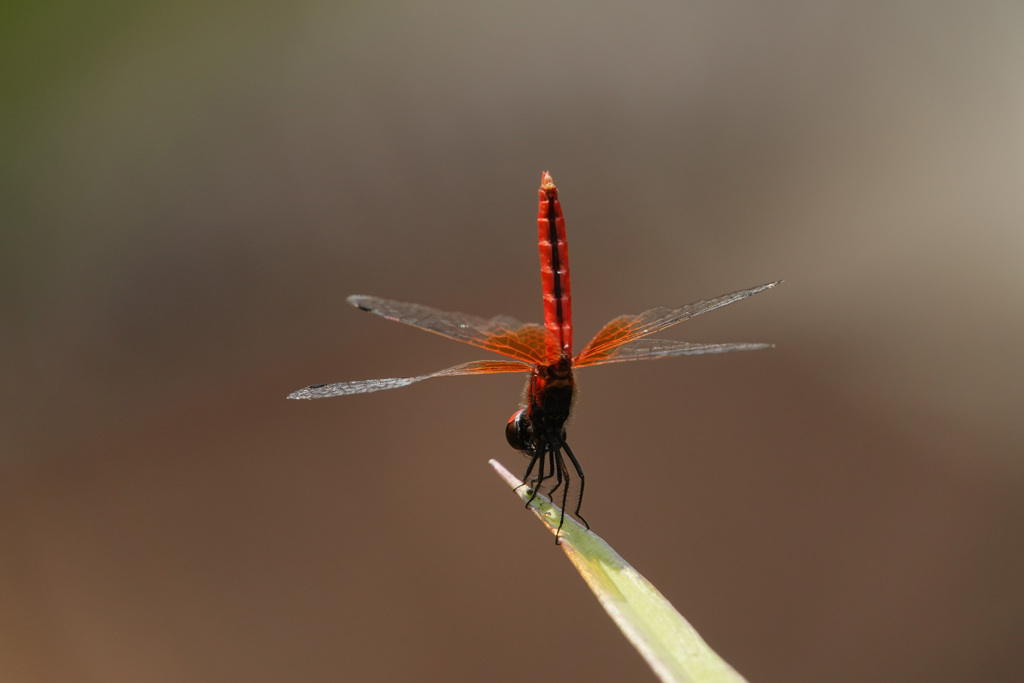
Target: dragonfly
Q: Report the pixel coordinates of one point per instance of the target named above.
(545, 351)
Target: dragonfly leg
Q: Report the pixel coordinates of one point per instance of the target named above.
(558, 468)
(526, 477)
(543, 473)
(562, 471)
(579, 471)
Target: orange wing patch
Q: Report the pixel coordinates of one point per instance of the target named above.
(527, 343)
(610, 337)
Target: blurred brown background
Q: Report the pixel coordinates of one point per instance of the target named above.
(189, 192)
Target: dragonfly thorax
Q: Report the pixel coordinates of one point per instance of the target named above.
(549, 397)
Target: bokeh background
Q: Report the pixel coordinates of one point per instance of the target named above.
(190, 190)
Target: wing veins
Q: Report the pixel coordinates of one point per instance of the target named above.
(366, 386)
(500, 334)
(628, 328)
(647, 349)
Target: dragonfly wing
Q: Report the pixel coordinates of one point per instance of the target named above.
(644, 349)
(628, 328)
(365, 386)
(501, 334)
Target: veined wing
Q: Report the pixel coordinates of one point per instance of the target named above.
(365, 386)
(628, 328)
(501, 334)
(644, 349)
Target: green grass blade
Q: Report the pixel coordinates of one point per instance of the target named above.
(663, 637)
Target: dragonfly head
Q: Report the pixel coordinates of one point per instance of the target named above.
(519, 431)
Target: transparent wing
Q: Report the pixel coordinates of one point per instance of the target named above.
(628, 328)
(644, 349)
(501, 334)
(365, 386)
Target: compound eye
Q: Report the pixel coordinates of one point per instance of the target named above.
(517, 431)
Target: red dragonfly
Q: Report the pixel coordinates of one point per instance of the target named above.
(538, 428)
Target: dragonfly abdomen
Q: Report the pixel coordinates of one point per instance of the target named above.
(554, 271)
